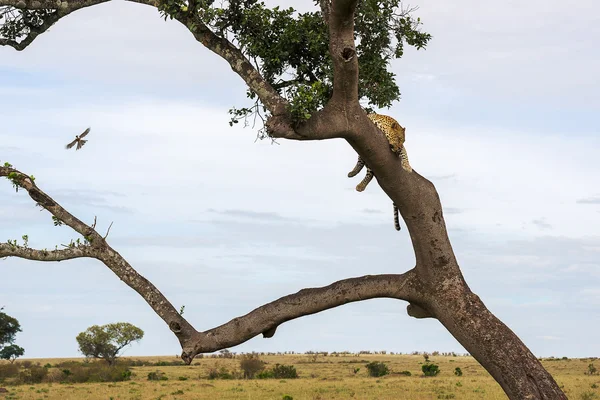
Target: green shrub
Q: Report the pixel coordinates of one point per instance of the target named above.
(377, 369)
(281, 371)
(183, 378)
(588, 396)
(458, 371)
(430, 369)
(267, 374)
(591, 370)
(287, 397)
(407, 373)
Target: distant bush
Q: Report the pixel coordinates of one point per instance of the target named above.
(591, 370)
(251, 364)
(279, 371)
(458, 371)
(430, 369)
(31, 375)
(266, 374)
(287, 397)
(8, 371)
(168, 363)
(588, 396)
(407, 373)
(157, 376)
(377, 369)
(96, 372)
(222, 373)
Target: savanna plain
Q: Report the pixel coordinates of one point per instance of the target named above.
(332, 376)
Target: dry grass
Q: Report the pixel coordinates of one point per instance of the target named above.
(328, 378)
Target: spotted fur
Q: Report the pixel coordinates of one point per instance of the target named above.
(395, 134)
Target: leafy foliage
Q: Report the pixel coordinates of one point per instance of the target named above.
(9, 327)
(108, 340)
(377, 369)
(279, 371)
(291, 49)
(18, 23)
(11, 352)
(430, 369)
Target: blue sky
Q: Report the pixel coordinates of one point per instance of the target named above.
(501, 114)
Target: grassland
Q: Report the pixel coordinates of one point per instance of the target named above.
(325, 378)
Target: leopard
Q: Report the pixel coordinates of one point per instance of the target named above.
(396, 135)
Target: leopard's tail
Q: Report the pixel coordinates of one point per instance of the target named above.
(396, 218)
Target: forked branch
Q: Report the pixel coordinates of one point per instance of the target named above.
(97, 248)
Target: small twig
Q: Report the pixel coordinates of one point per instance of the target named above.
(108, 230)
(94, 224)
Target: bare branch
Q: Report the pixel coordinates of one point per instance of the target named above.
(99, 249)
(9, 250)
(267, 318)
(108, 230)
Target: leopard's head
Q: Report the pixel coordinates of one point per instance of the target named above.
(395, 135)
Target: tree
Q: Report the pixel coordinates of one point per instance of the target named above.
(9, 327)
(11, 352)
(108, 340)
(337, 56)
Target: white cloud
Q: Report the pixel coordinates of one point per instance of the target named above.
(160, 154)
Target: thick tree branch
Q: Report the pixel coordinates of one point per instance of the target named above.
(267, 318)
(276, 104)
(99, 249)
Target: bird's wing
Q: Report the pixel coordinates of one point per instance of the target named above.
(84, 133)
(71, 144)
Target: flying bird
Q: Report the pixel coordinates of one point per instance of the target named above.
(79, 140)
